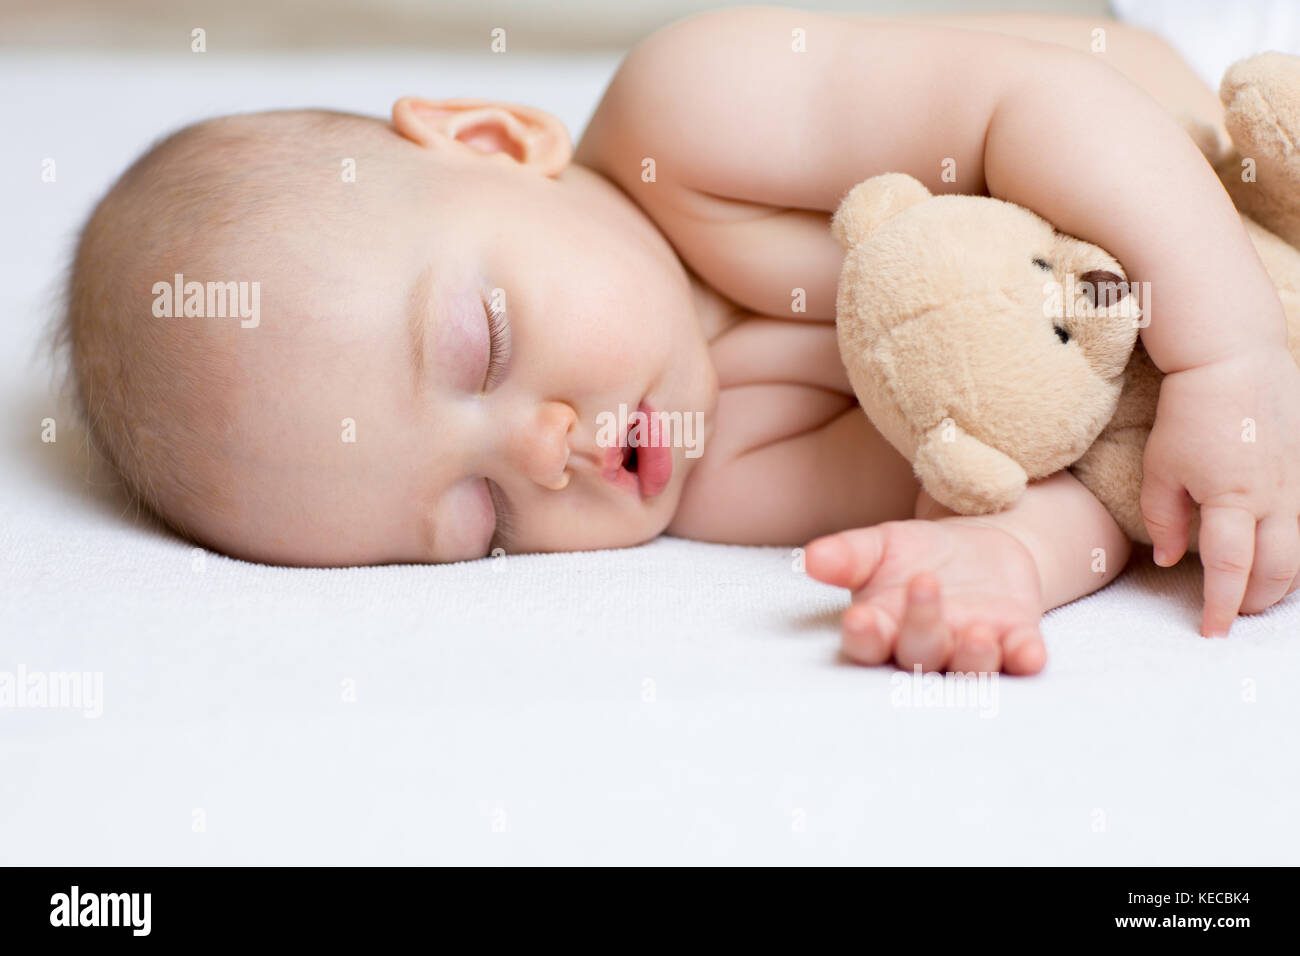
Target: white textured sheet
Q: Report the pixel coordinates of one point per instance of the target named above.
(676, 702)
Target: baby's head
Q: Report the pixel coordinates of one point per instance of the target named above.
(404, 333)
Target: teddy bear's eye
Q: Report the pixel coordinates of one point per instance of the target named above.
(1043, 264)
(1061, 334)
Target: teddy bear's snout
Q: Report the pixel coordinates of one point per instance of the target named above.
(1103, 288)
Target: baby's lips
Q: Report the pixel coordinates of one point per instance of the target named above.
(654, 468)
(612, 463)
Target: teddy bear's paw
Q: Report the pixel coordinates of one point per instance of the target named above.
(1261, 98)
(966, 475)
(1273, 75)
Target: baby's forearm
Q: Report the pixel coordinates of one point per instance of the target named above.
(1076, 544)
(1099, 159)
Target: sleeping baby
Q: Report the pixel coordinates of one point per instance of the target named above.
(324, 339)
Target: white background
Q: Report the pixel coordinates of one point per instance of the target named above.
(674, 703)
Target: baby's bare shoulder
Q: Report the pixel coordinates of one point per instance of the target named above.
(673, 76)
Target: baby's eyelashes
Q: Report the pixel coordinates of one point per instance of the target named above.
(503, 532)
(498, 344)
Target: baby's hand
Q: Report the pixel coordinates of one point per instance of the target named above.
(1227, 436)
(956, 594)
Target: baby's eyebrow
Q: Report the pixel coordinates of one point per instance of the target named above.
(418, 304)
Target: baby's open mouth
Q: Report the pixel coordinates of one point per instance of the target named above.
(638, 464)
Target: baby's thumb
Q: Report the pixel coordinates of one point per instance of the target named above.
(847, 559)
(1167, 514)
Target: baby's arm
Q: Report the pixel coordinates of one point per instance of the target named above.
(1076, 544)
(966, 593)
(756, 122)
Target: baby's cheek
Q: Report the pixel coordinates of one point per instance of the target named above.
(464, 522)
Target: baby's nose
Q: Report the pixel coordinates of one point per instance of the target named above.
(541, 445)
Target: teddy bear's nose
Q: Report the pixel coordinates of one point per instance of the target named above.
(1103, 288)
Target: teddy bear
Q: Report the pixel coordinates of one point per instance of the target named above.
(991, 349)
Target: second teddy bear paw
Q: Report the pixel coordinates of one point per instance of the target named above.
(1261, 99)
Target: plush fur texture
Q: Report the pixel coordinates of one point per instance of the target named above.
(991, 349)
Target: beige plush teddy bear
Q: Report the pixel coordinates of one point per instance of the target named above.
(991, 350)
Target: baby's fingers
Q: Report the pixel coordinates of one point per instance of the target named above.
(846, 560)
(1277, 558)
(977, 651)
(868, 634)
(1227, 546)
(1023, 650)
(924, 637)
(1167, 513)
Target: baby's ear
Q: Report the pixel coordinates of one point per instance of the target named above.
(524, 134)
(870, 203)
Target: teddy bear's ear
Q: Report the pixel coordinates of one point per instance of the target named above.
(871, 202)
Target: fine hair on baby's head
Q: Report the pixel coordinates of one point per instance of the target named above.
(319, 338)
(205, 203)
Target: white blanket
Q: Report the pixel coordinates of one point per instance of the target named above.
(678, 702)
